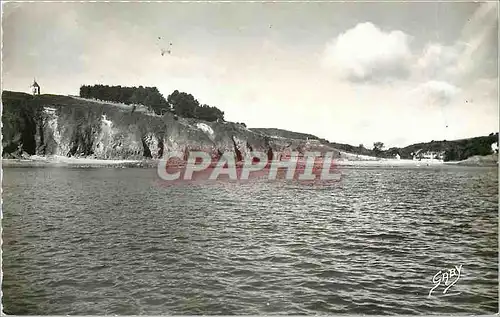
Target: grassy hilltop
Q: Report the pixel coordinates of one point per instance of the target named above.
(76, 127)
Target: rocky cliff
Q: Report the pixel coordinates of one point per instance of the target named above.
(68, 126)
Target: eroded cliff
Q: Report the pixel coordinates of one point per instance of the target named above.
(67, 126)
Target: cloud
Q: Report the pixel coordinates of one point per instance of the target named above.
(438, 61)
(437, 92)
(456, 77)
(458, 63)
(366, 53)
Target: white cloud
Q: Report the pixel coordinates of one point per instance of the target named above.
(437, 92)
(366, 53)
(438, 61)
(458, 63)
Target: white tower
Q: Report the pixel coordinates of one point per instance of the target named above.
(35, 88)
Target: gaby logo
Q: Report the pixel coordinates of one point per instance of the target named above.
(310, 166)
(447, 279)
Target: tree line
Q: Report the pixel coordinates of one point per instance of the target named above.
(455, 150)
(464, 149)
(179, 103)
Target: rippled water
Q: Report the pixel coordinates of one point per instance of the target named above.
(111, 241)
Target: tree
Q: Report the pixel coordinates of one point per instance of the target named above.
(180, 103)
(451, 155)
(378, 148)
(155, 101)
(183, 104)
(85, 91)
(208, 113)
(148, 96)
(134, 99)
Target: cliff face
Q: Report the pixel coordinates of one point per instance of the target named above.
(67, 126)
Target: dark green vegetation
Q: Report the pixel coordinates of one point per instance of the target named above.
(28, 128)
(66, 126)
(378, 148)
(185, 105)
(21, 114)
(148, 96)
(180, 103)
(455, 150)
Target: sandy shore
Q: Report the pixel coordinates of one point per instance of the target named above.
(60, 161)
(388, 163)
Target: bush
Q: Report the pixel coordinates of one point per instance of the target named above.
(185, 105)
(148, 96)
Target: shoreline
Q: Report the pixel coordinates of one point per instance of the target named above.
(40, 161)
(60, 161)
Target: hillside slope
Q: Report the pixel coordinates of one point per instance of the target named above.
(280, 133)
(66, 126)
(455, 150)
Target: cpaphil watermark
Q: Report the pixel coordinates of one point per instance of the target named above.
(200, 166)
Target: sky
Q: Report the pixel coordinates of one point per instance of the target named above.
(350, 72)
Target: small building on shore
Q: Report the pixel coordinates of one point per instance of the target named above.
(428, 155)
(35, 88)
(494, 148)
